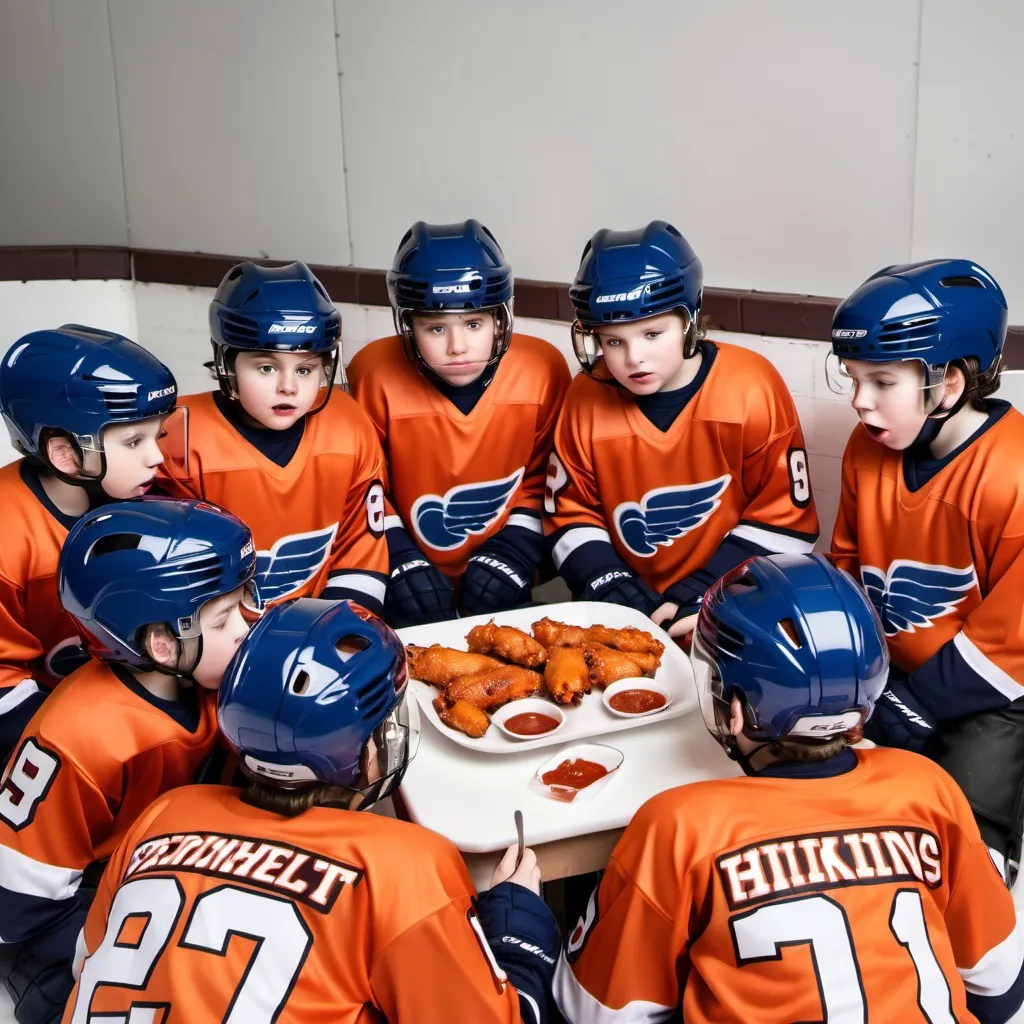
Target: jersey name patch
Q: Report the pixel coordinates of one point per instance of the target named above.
(665, 514)
(911, 595)
(292, 562)
(446, 522)
(312, 879)
(817, 862)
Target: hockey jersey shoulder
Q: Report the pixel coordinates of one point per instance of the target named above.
(95, 721)
(534, 369)
(32, 536)
(744, 388)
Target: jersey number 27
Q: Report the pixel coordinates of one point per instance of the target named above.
(156, 904)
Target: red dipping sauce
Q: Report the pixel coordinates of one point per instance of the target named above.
(636, 702)
(530, 723)
(574, 774)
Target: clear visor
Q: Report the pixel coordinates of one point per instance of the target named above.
(710, 696)
(502, 327)
(389, 750)
(842, 382)
(85, 456)
(586, 345)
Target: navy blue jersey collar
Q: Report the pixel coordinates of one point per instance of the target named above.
(663, 407)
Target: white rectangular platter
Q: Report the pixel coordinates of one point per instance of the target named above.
(589, 718)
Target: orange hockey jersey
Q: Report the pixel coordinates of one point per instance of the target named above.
(732, 463)
(97, 752)
(944, 565)
(317, 522)
(455, 479)
(39, 642)
(234, 913)
(867, 896)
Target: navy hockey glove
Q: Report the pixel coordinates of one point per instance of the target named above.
(523, 935)
(492, 584)
(418, 592)
(900, 719)
(620, 586)
(39, 988)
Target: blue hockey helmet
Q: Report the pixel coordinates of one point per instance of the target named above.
(75, 381)
(273, 309)
(797, 640)
(132, 564)
(310, 686)
(632, 275)
(937, 311)
(450, 268)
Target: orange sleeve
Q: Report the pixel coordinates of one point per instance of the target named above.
(370, 398)
(20, 694)
(781, 516)
(437, 971)
(359, 566)
(570, 496)
(844, 548)
(531, 489)
(620, 961)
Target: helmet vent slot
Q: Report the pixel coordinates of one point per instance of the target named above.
(115, 542)
(788, 629)
(300, 683)
(961, 281)
(351, 644)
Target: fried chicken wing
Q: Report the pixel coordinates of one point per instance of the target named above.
(607, 665)
(439, 665)
(489, 690)
(463, 716)
(558, 634)
(630, 640)
(506, 642)
(566, 675)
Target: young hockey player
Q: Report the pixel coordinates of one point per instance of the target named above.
(283, 448)
(931, 521)
(675, 457)
(465, 410)
(85, 408)
(155, 587)
(829, 884)
(282, 902)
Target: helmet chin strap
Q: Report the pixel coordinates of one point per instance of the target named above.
(743, 760)
(177, 672)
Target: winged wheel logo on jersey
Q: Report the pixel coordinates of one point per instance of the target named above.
(292, 562)
(666, 514)
(445, 523)
(911, 595)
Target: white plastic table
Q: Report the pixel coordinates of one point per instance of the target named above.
(470, 797)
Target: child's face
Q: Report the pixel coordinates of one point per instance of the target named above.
(278, 388)
(456, 346)
(132, 454)
(224, 628)
(645, 356)
(891, 400)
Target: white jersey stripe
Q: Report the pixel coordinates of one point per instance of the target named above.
(770, 540)
(574, 538)
(361, 581)
(578, 1006)
(987, 669)
(19, 873)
